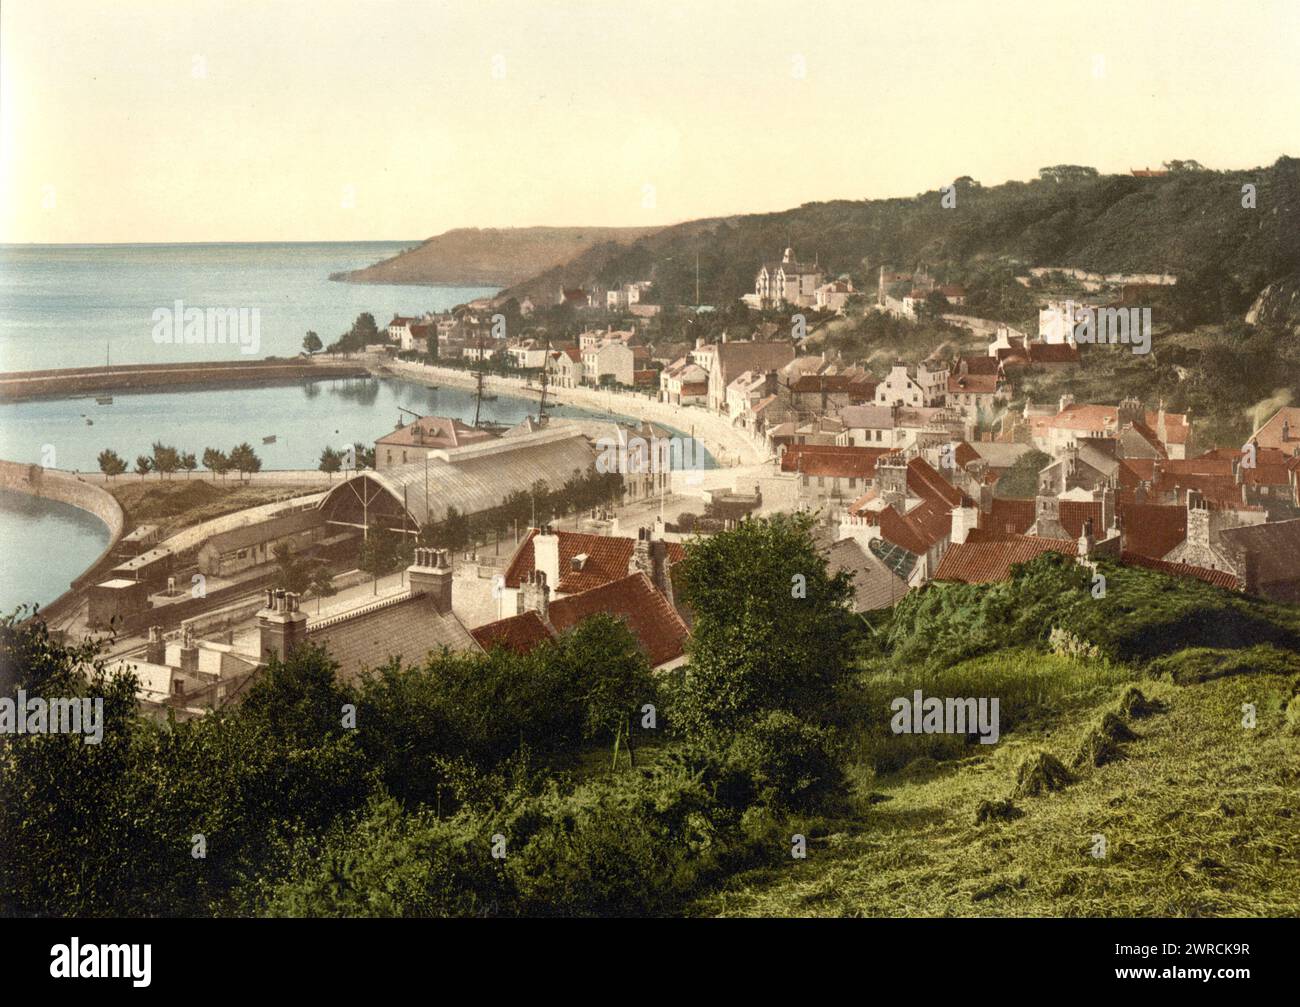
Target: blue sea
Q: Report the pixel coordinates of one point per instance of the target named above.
(78, 305)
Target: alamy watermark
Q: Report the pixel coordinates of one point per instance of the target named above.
(178, 325)
(36, 715)
(1123, 326)
(932, 715)
(648, 456)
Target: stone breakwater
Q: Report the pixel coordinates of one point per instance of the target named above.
(51, 484)
(21, 385)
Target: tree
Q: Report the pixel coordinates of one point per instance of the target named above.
(365, 456)
(166, 459)
(292, 573)
(1021, 479)
(311, 343)
(382, 552)
(1067, 173)
(189, 463)
(111, 463)
(330, 460)
(244, 459)
(216, 461)
(603, 655)
(771, 625)
(321, 583)
(143, 465)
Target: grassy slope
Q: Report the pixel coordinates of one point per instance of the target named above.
(1201, 817)
(180, 502)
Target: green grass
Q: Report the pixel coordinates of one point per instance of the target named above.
(1200, 814)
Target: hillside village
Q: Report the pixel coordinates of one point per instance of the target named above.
(916, 473)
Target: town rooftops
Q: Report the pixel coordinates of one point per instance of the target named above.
(406, 626)
(520, 633)
(1152, 530)
(1281, 431)
(634, 599)
(988, 561)
(1219, 578)
(843, 462)
(606, 559)
(1273, 549)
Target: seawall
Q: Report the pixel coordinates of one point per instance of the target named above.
(51, 484)
(20, 385)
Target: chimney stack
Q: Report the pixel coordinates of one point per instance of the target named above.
(535, 596)
(546, 554)
(281, 625)
(189, 651)
(155, 651)
(430, 574)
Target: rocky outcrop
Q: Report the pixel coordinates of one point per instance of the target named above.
(1277, 304)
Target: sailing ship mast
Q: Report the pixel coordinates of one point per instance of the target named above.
(546, 363)
(478, 382)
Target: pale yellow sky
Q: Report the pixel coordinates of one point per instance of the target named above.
(244, 120)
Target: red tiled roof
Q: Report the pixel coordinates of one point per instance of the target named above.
(1073, 513)
(1266, 475)
(1218, 490)
(1203, 465)
(608, 557)
(973, 384)
(1219, 578)
(520, 633)
(979, 364)
(1009, 516)
(925, 482)
(832, 460)
(634, 599)
(985, 562)
(1152, 530)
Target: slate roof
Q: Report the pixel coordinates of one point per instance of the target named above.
(875, 583)
(264, 531)
(1275, 547)
(407, 626)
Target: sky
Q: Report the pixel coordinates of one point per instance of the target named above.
(333, 120)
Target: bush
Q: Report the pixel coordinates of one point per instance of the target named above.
(789, 763)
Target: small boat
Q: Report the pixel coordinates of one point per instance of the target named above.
(488, 398)
(269, 440)
(89, 422)
(104, 400)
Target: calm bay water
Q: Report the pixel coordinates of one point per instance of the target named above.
(65, 305)
(303, 419)
(45, 545)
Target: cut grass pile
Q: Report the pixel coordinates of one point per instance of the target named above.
(1201, 816)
